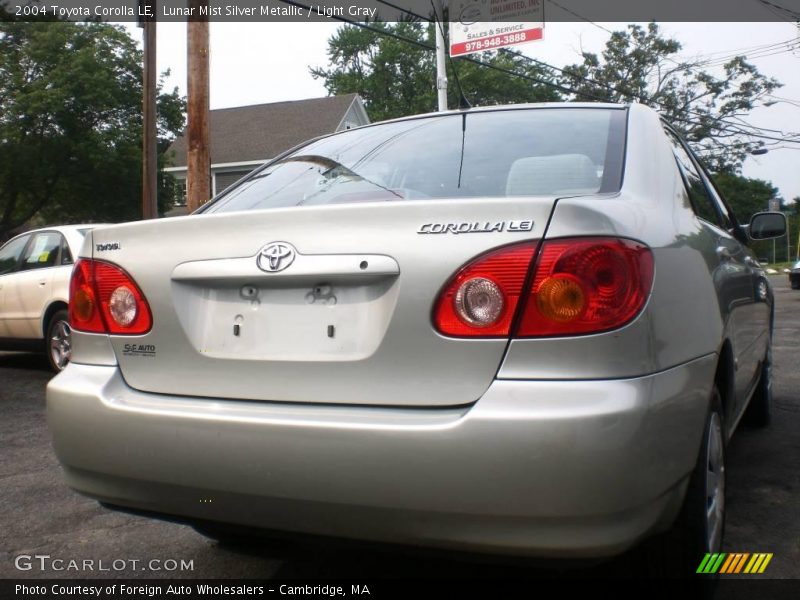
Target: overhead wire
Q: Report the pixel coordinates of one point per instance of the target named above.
(721, 124)
(779, 10)
(582, 18)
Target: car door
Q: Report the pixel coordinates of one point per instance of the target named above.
(731, 267)
(28, 291)
(754, 327)
(10, 255)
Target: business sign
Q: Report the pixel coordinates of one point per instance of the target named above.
(480, 25)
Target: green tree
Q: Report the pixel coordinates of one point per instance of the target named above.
(71, 124)
(397, 78)
(746, 196)
(642, 65)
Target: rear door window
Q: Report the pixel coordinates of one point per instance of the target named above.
(66, 254)
(42, 252)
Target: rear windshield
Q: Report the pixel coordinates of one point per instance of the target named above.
(526, 152)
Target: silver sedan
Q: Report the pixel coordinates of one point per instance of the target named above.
(527, 330)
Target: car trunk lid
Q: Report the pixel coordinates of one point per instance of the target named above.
(345, 319)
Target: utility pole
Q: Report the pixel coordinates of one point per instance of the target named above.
(198, 164)
(441, 69)
(149, 149)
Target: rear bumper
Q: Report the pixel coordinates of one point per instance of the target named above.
(542, 468)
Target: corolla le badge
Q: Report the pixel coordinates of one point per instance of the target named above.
(276, 256)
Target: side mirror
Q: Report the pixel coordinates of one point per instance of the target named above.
(767, 225)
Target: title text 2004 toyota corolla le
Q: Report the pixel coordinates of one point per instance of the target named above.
(525, 330)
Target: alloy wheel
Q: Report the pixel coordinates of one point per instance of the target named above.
(60, 344)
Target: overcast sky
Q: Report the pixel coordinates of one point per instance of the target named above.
(253, 63)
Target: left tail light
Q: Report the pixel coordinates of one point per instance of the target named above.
(103, 298)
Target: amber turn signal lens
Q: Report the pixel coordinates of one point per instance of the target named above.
(561, 298)
(83, 304)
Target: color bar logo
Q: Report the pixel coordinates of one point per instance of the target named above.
(734, 563)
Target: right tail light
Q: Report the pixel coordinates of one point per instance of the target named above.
(586, 285)
(577, 286)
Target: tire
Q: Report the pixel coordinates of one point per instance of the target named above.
(700, 525)
(58, 341)
(759, 410)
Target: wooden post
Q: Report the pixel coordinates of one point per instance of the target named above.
(149, 133)
(198, 176)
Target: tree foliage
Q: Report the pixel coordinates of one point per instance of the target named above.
(746, 196)
(397, 78)
(71, 124)
(642, 65)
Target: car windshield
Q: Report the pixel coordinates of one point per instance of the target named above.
(519, 152)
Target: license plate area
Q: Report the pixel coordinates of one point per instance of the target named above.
(324, 321)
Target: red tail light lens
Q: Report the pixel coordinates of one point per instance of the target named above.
(105, 299)
(586, 285)
(481, 300)
(84, 309)
(580, 286)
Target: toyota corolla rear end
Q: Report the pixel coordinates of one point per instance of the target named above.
(454, 331)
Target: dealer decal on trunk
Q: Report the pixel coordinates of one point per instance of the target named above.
(139, 350)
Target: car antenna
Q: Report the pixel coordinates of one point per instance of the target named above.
(463, 103)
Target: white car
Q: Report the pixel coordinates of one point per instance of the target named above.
(35, 268)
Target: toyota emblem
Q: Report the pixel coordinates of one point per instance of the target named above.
(276, 256)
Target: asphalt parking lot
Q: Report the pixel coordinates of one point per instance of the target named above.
(40, 515)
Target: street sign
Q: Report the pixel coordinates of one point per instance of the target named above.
(480, 25)
(774, 205)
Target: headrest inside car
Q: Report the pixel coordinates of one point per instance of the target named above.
(556, 174)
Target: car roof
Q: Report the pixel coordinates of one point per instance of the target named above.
(63, 228)
(497, 108)
(70, 231)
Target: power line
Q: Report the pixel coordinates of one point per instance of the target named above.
(405, 10)
(464, 58)
(520, 55)
(746, 49)
(737, 131)
(626, 95)
(753, 56)
(367, 27)
(629, 95)
(582, 18)
(772, 7)
(739, 127)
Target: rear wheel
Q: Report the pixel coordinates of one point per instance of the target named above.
(58, 342)
(700, 525)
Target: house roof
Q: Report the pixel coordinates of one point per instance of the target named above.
(262, 131)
